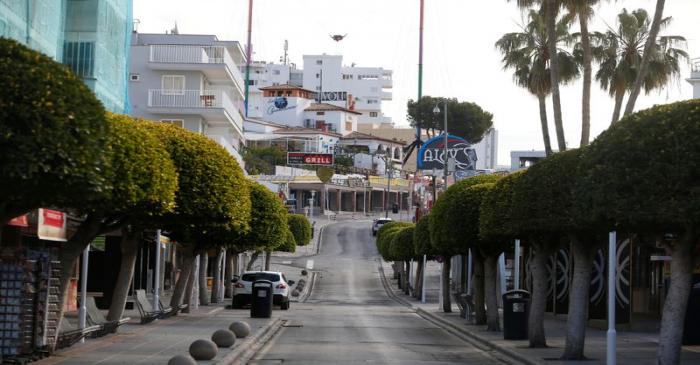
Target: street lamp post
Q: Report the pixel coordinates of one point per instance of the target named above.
(436, 111)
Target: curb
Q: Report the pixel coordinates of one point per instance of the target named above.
(247, 349)
(462, 333)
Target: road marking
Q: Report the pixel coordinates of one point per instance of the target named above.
(310, 264)
(288, 262)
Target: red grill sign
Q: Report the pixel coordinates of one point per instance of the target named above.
(304, 158)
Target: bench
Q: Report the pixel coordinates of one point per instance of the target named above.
(148, 314)
(96, 318)
(69, 334)
(466, 305)
(171, 312)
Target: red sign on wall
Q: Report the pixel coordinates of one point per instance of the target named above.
(52, 225)
(305, 158)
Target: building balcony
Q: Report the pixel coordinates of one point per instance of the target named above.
(386, 95)
(215, 62)
(386, 82)
(216, 106)
(695, 69)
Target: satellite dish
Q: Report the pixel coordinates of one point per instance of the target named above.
(338, 37)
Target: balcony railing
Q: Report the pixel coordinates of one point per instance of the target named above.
(195, 54)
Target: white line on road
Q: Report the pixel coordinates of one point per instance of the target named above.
(309, 264)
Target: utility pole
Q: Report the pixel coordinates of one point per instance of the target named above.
(387, 167)
(249, 55)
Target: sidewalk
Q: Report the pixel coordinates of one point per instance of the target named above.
(157, 342)
(633, 348)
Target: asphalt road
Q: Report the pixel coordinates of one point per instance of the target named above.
(349, 318)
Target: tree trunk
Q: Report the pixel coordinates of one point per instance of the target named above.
(192, 278)
(203, 287)
(551, 11)
(216, 287)
(545, 125)
(538, 302)
(268, 258)
(619, 96)
(646, 58)
(490, 273)
(229, 272)
(587, 79)
(418, 280)
(129, 246)
(406, 286)
(478, 288)
(446, 300)
(253, 258)
(187, 264)
(675, 306)
(583, 253)
(463, 274)
(70, 253)
(398, 270)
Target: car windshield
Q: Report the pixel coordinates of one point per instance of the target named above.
(260, 276)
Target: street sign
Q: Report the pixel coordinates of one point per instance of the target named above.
(306, 158)
(431, 155)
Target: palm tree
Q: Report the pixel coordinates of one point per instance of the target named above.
(551, 11)
(583, 10)
(648, 54)
(620, 53)
(527, 53)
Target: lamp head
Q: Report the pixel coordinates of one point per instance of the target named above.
(436, 110)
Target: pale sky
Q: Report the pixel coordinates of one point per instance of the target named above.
(459, 60)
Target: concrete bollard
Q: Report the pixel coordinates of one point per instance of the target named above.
(203, 350)
(224, 338)
(182, 360)
(295, 293)
(240, 328)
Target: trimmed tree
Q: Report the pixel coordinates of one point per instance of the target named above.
(642, 175)
(211, 190)
(143, 184)
(447, 238)
(52, 135)
(401, 249)
(421, 246)
(300, 227)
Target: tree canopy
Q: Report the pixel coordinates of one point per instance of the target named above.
(464, 119)
(450, 233)
(52, 133)
(421, 238)
(643, 173)
(401, 246)
(268, 221)
(496, 210)
(385, 235)
(211, 186)
(262, 160)
(300, 227)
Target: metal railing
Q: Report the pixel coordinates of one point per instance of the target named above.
(159, 98)
(196, 54)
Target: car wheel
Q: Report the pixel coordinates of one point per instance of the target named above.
(285, 305)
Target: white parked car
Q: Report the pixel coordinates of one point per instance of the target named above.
(378, 223)
(243, 288)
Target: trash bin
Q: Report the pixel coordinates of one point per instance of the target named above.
(516, 305)
(261, 299)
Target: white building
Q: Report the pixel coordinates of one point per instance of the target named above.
(189, 80)
(695, 77)
(523, 159)
(372, 152)
(362, 89)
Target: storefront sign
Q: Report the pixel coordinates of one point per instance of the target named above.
(52, 225)
(334, 96)
(431, 155)
(304, 158)
(279, 104)
(20, 221)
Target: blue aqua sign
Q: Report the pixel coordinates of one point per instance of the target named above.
(431, 155)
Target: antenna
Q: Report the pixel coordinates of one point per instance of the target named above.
(285, 59)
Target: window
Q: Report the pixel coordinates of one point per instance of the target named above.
(178, 122)
(347, 77)
(348, 126)
(373, 114)
(319, 62)
(275, 72)
(374, 89)
(252, 82)
(320, 113)
(173, 84)
(318, 76)
(134, 77)
(372, 101)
